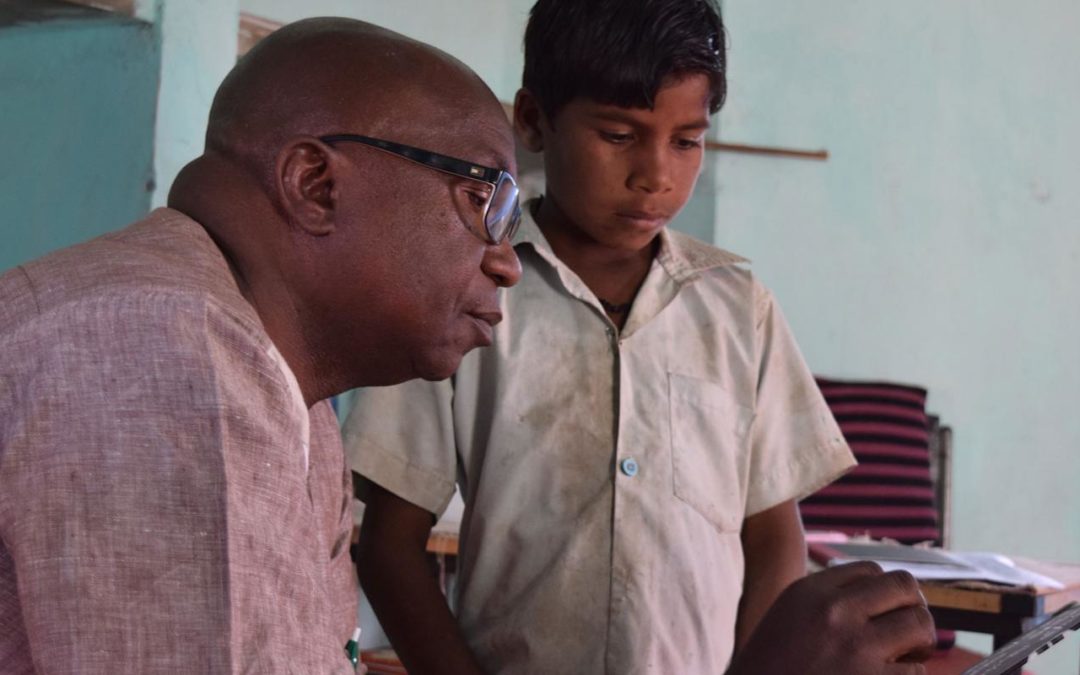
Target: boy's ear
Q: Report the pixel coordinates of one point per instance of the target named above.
(527, 120)
(306, 186)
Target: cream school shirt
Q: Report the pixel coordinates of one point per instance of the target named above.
(606, 474)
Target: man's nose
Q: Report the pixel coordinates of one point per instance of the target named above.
(501, 264)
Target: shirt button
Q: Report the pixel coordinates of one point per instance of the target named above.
(629, 466)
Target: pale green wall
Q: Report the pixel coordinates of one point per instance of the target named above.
(198, 47)
(76, 139)
(485, 34)
(940, 245)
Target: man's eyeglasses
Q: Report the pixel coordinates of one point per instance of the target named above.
(502, 212)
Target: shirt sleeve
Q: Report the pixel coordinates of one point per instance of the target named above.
(797, 446)
(402, 439)
(117, 499)
(334, 499)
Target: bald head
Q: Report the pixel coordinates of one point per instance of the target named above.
(365, 268)
(331, 75)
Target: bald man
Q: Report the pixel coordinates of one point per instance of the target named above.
(173, 493)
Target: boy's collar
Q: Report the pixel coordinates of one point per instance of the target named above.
(682, 256)
(685, 257)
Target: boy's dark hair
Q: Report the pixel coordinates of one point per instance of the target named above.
(619, 52)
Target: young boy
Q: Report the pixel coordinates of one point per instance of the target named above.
(631, 447)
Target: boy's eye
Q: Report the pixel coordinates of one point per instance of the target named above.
(616, 137)
(688, 143)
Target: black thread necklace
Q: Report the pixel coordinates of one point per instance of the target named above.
(612, 308)
(609, 307)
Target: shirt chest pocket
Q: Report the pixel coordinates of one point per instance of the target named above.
(709, 450)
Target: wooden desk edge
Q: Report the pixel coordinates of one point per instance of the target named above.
(961, 598)
(1019, 604)
(1061, 599)
(936, 594)
(443, 543)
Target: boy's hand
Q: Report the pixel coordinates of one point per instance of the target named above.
(848, 619)
(400, 584)
(775, 553)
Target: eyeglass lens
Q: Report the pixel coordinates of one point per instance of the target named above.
(503, 212)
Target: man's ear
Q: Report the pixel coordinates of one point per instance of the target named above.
(307, 186)
(528, 116)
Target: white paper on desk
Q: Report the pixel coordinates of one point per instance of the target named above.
(991, 567)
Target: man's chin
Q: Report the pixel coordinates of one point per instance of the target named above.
(426, 366)
(439, 363)
(440, 368)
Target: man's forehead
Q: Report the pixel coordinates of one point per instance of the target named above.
(439, 106)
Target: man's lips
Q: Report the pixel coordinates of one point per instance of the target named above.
(485, 323)
(490, 317)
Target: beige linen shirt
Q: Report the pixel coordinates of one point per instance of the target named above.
(606, 474)
(167, 503)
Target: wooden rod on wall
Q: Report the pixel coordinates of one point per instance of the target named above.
(742, 148)
(818, 155)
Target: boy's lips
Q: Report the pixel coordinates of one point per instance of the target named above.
(643, 217)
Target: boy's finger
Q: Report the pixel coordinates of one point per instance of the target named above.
(842, 575)
(872, 596)
(905, 669)
(906, 634)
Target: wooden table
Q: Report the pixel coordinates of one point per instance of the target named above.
(1002, 612)
(443, 542)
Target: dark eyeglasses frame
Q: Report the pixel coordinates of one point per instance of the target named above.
(446, 164)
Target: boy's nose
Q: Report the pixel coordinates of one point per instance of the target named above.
(652, 171)
(501, 263)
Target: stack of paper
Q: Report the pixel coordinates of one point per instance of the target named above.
(927, 564)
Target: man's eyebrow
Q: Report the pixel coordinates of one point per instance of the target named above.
(491, 158)
(624, 118)
(482, 154)
(497, 160)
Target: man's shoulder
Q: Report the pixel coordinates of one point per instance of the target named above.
(153, 266)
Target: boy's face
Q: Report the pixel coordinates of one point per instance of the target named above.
(618, 175)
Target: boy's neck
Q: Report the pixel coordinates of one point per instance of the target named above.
(614, 275)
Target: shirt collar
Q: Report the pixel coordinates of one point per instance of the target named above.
(683, 257)
(528, 232)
